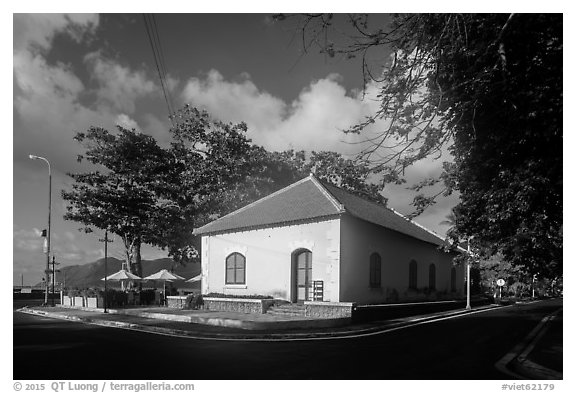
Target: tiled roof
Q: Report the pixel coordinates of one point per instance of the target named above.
(310, 199)
(303, 200)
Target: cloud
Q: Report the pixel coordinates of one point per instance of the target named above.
(314, 121)
(118, 87)
(126, 122)
(52, 103)
(36, 31)
(28, 240)
(235, 101)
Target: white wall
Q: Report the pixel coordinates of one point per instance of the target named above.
(360, 239)
(268, 255)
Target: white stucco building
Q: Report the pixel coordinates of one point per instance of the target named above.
(312, 235)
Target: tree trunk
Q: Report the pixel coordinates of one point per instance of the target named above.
(137, 259)
(133, 257)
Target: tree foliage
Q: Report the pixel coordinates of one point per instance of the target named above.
(145, 193)
(120, 195)
(489, 88)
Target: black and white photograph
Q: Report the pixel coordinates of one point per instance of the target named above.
(225, 200)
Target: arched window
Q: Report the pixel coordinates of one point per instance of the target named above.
(375, 270)
(413, 275)
(432, 276)
(235, 269)
(453, 279)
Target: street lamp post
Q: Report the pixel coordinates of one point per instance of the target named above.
(469, 261)
(47, 272)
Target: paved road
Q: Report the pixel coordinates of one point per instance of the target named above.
(460, 348)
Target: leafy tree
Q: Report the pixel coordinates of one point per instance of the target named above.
(496, 267)
(121, 196)
(489, 88)
(351, 175)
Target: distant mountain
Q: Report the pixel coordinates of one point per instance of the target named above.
(90, 275)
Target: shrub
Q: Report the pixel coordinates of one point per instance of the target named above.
(73, 292)
(91, 292)
(194, 302)
(147, 297)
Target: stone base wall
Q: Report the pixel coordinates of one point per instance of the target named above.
(253, 306)
(176, 301)
(328, 309)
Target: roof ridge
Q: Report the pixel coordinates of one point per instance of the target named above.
(418, 225)
(339, 205)
(280, 191)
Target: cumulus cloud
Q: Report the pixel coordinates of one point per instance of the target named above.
(118, 86)
(126, 121)
(235, 101)
(36, 31)
(314, 121)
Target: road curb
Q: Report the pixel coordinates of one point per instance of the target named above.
(516, 363)
(288, 336)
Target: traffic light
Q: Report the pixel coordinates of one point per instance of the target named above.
(44, 233)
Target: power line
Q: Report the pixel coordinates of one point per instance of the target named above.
(156, 36)
(154, 39)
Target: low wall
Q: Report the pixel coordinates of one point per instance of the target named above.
(176, 301)
(253, 306)
(328, 309)
(67, 301)
(81, 301)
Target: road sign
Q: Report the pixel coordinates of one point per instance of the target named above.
(500, 282)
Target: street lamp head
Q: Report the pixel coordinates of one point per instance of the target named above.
(33, 157)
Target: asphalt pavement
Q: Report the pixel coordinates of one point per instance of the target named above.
(537, 356)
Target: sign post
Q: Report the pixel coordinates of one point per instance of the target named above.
(500, 282)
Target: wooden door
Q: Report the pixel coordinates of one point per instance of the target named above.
(303, 275)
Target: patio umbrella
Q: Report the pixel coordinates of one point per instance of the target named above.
(195, 278)
(122, 276)
(163, 275)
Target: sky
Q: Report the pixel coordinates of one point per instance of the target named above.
(74, 71)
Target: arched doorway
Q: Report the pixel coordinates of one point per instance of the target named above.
(301, 275)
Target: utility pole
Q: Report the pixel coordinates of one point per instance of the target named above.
(106, 241)
(54, 277)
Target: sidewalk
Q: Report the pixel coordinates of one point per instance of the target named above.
(538, 357)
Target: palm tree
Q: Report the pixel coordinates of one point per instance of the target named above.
(450, 220)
